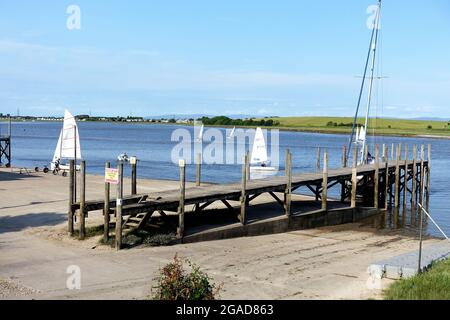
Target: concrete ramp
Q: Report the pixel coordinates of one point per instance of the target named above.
(406, 265)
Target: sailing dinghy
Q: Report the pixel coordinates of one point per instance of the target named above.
(68, 147)
(259, 160)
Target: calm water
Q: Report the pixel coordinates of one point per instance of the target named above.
(34, 144)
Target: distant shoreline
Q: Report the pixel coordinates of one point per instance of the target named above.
(320, 125)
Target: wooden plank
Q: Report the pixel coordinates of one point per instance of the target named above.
(414, 179)
(376, 178)
(71, 197)
(318, 159)
(118, 231)
(82, 211)
(354, 178)
(405, 178)
(325, 182)
(106, 208)
(181, 205)
(198, 169)
(243, 198)
(288, 190)
(397, 179)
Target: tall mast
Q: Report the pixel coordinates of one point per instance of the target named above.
(372, 46)
(372, 71)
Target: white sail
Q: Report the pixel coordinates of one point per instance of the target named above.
(361, 136)
(259, 151)
(200, 134)
(68, 146)
(232, 133)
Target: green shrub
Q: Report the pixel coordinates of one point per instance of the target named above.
(175, 283)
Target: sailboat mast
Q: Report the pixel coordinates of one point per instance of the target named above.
(361, 90)
(372, 72)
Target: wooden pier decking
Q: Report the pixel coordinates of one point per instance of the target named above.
(378, 185)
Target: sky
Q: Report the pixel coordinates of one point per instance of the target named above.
(261, 58)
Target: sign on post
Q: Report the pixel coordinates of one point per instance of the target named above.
(133, 160)
(111, 176)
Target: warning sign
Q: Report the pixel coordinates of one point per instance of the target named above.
(111, 175)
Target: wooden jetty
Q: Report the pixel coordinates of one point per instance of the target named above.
(377, 186)
(5, 147)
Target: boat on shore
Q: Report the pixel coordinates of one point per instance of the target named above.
(68, 146)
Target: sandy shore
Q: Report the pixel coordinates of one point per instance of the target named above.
(325, 263)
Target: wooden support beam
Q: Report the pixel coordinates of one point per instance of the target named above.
(288, 190)
(106, 208)
(81, 211)
(180, 231)
(393, 152)
(325, 181)
(405, 178)
(198, 169)
(281, 203)
(243, 189)
(133, 162)
(386, 184)
(70, 228)
(376, 178)
(383, 153)
(397, 179)
(318, 159)
(422, 174)
(414, 179)
(344, 157)
(428, 178)
(229, 206)
(119, 203)
(354, 178)
(366, 154)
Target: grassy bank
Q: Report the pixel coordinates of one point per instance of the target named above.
(379, 126)
(431, 285)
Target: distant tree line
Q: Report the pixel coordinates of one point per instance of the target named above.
(225, 121)
(341, 124)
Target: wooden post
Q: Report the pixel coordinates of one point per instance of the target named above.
(422, 174)
(397, 179)
(106, 208)
(414, 179)
(243, 190)
(386, 186)
(376, 179)
(344, 165)
(405, 179)
(383, 153)
(119, 203)
(318, 159)
(71, 198)
(82, 200)
(288, 191)
(133, 162)
(366, 154)
(428, 177)
(325, 181)
(344, 157)
(392, 152)
(182, 165)
(198, 170)
(354, 178)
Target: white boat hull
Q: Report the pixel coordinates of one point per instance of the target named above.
(263, 169)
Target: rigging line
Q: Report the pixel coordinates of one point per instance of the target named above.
(361, 90)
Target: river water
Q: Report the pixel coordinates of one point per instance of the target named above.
(33, 144)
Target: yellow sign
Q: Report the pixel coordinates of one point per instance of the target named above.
(111, 175)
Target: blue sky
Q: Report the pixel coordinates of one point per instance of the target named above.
(228, 57)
